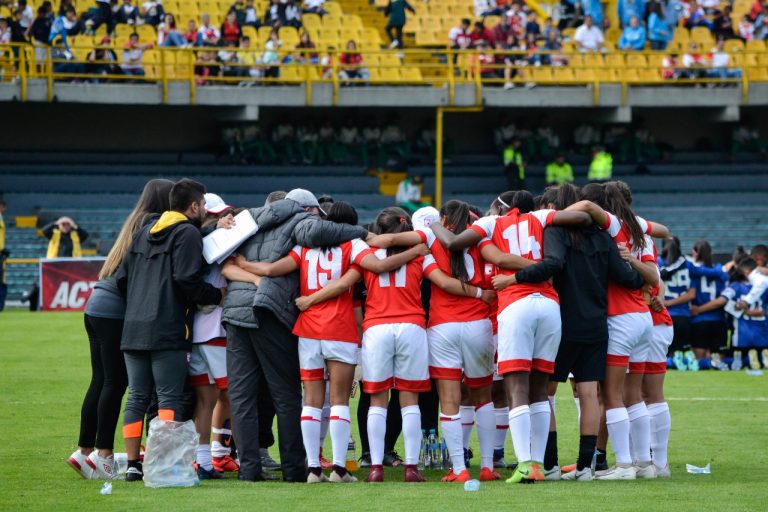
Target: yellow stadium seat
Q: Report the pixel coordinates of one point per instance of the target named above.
(759, 74)
(650, 75)
(208, 6)
(613, 34)
(700, 33)
(412, 75)
(562, 75)
(568, 33)
(636, 61)
(122, 30)
(353, 21)
(755, 46)
(585, 75)
(734, 45)
(289, 33)
(431, 23)
(264, 34)
(332, 21)
(333, 9)
(372, 35)
(606, 74)
(540, 75)
(681, 34)
(491, 21)
(614, 60)
(251, 33)
(631, 75)
(224, 6)
(593, 60)
(330, 36)
(311, 20)
(762, 59)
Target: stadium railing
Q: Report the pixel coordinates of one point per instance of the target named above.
(441, 68)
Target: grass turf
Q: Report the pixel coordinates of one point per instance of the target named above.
(45, 372)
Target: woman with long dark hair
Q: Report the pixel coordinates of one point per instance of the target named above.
(104, 314)
(709, 332)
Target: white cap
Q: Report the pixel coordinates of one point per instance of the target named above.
(215, 204)
(425, 217)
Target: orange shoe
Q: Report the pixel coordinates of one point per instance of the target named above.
(225, 464)
(567, 469)
(324, 463)
(453, 477)
(488, 475)
(536, 474)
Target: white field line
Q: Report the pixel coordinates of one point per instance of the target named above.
(700, 399)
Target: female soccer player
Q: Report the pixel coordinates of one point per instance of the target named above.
(529, 319)
(709, 331)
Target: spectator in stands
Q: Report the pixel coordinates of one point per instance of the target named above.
(102, 61)
(516, 18)
(229, 62)
(351, 63)
(408, 196)
(308, 143)
(746, 139)
(63, 26)
(513, 63)
(633, 36)
(601, 167)
(127, 13)
(272, 14)
(694, 63)
(307, 49)
(394, 143)
(554, 45)
(64, 5)
(192, 36)
(209, 35)
(132, 55)
(504, 132)
(249, 63)
(3, 256)
(761, 28)
(746, 28)
(629, 8)
(350, 142)
(328, 145)
(585, 136)
(5, 31)
(459, 38)
(572, 14)
(17, 34)
(239, 8)
(532, 56)
(720, 62)
(722, 24)
(514, 164)
(480, 33)
(27, 14)
(315, 7)
(231, 32)
(39, 34)
(371, 140)
(206, 67)
(532, 25)
(698, 18)
(485, 8)
(484, 61)
(168, 35)
(559, 171)
(709, 6)
(152, 12)
(396, 11)
(65, 238)
(271, 56)
(588, 37)
(756, 10)
(284, 138)
(64, 62)
(255, 141)
(659, 32)
(501, 32)
(670, 67)
(290, 14)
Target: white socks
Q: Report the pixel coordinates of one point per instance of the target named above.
(502, 426)
(551, 399)
(219, 450)
(339, 426)
(324, 421)
(311, 417)
(617, 421)
(661, 423)
(411, 433)
(377, 427)
(640, 432)
(204, 457)
(520, 428)
(540, 415)
(486, 433)
(578, 407)
(467, 413)
(451, 428)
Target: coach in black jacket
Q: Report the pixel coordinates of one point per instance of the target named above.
(161, 279)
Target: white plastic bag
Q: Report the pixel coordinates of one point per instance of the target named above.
(171, 450)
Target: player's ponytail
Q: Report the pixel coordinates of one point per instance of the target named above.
(617, 205)
(703, 253)
(392, 220)
(523, 201)
(503, 203)
(341, 212)
(670, 251)
(455, 215)
(566, 195)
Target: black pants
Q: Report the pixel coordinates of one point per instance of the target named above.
(395, 33)
(271, 352)
(160, 371)
(101, 405)
(429, 403)
(266, 415)
(394, 421)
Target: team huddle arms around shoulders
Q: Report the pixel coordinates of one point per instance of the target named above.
(529, 294)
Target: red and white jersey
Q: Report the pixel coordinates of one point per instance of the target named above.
(395, 297)
(493, 311)
(207, 326)
(622, 300)
(445, 307)
(662, 317)
(333, 319)
(521, 234)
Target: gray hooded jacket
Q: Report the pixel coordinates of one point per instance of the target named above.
(282, 225)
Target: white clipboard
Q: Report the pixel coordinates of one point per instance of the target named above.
(220, 244)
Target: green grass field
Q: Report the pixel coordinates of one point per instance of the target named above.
(718, 418)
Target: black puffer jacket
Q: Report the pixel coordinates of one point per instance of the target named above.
(161, 278)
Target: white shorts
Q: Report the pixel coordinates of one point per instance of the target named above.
(395, 355)
(529, 335)
(629, 340)
(657, 353)
(457, 346)
(496, 376)
(314, 353)
(208, 365)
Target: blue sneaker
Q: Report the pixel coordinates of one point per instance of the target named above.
(205, 474)
(693, 363)
(498, 459)
(679, 361)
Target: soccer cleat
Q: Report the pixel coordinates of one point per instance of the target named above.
(679, 360)
(82, 464)
(104, 468)
(718, 363)
(487, 475)
(601, 466)
(645, 471)
(376, 474)
(498, 459)
(365, 460)
(617, 472)
(567, 469)
(208, 474)
(324, 463)
(392, 459)
(453, 477)
(738, 361)
(468, 456)
(526, 473)
(268, 462)
(134, 474)
(225, 464)
(552, 474)
(338, 478)
(764, 354)
(754, 361)
(693, 363)
(579, 475)
(316, 478)
(663, 472)
(412, 474)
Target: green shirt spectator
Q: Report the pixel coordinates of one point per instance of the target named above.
(601, 168)
(559, 171)
(514, 165)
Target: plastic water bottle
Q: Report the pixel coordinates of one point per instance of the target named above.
(121, 459)
(472, 485)
(351, 462)
(423, 451)
(434, 451)
(445, 456)
(106, 489)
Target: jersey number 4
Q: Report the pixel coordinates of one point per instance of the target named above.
(520, 242)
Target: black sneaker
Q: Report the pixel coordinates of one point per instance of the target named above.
(601, 466)
(365, 460)
(205, 474)
(134, 474)
(468, 456)
(392, 459)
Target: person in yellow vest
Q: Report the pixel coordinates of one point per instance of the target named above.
(601, 168)
(514, 166)
(559, 171)
(3, 256)
(65, 237)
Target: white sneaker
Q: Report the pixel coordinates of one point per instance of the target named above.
(315, 479)
(104, 468)
(584, 475)
(338, 479)
(663, 472)
(646, 471)
(508, 86)
(552, 474)
(82, 464)
(617, 472)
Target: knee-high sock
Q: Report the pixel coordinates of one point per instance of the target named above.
(640, 432)
(377, 428)
(339, 427)
(310, 432)
(203, 458)
(467, 413)
(520, 429)
(540, 413)
(486, 433)
(617, 421)
(551, 399)
(324, 420)
(502, 427)
(661, 423)
(451, 429)
(412, 432)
